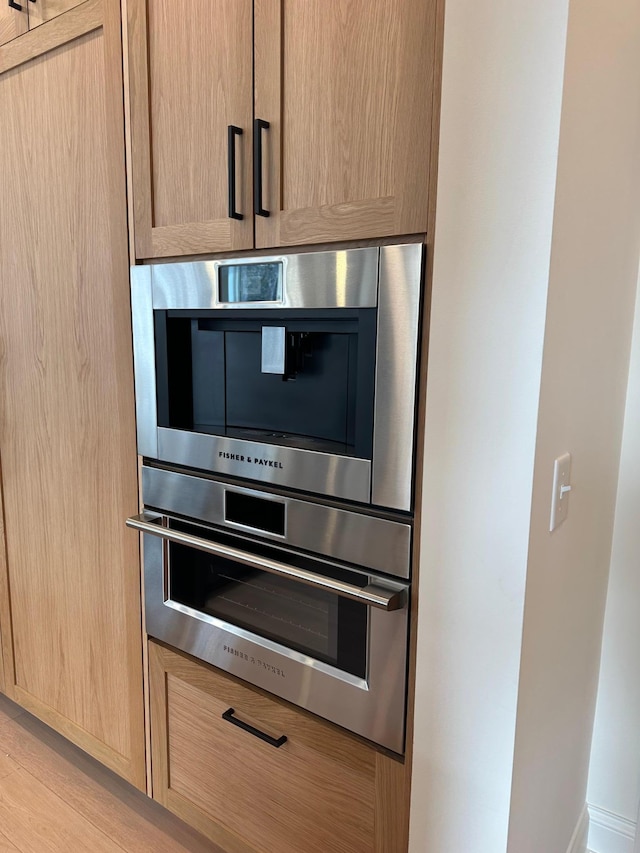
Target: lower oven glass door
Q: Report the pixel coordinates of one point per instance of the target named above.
(328, 638)
(306, 619)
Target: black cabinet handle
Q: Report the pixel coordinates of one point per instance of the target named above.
(232, 132)
(272, 741)
(258, 126)
(14, 5)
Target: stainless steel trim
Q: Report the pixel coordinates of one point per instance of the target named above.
(144, 358)
(324, 473)
(349, 537)
(291, 654)
(396, 372)
(373, 708)
(343, 279)
(378, 592)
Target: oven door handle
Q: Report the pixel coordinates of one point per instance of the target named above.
(373, 595)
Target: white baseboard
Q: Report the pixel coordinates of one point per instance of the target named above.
(578, 843)
(610, 833)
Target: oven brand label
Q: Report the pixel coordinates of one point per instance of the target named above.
(252, 460)
(274, 670)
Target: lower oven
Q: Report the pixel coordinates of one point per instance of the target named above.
(297, 598)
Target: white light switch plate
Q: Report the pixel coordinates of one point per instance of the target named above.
(561, 490)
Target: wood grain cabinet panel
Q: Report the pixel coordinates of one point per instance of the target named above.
(322, 791)
(13, 22)
(41, 11)
(190, 74)
(347, 89)
(4, 592)
(67, 431)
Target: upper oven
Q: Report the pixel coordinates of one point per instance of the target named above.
(294, 370)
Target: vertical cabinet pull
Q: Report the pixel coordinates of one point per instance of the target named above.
(14, 5)
(232, 132)
(272, 741)
(258, 126)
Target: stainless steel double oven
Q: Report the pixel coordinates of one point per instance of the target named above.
(275, 405)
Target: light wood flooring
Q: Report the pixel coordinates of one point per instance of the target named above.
(56, 799)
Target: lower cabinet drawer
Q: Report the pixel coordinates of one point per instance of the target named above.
(319, 791)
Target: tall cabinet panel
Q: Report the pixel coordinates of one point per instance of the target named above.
(190, 82)
(67, 437)
(346, 88)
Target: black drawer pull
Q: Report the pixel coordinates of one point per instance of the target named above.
(258, 126)
(272, 741)
(232, 132)
(14, 5)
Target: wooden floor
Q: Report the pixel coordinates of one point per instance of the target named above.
(56, 799)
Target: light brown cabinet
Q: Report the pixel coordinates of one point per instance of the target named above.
(41, 11)
(190, 80)
(344, 92)
(70, 592)
(346, 88)
(4, 594)
(13, 22)
(339, 130)
(321, 791)
(25, 15)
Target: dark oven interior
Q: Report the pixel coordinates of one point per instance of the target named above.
(313, 622)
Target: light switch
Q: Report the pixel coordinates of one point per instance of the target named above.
(561, 490)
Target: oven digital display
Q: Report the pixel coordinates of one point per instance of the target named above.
(239, 283)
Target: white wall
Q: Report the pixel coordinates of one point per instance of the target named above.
(485, 716)
(502, 83)
(593, 276)
(614, 774)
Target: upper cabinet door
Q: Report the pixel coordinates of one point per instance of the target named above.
(41, 11)
(190, 86)
(346, 89)
(13, 22)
